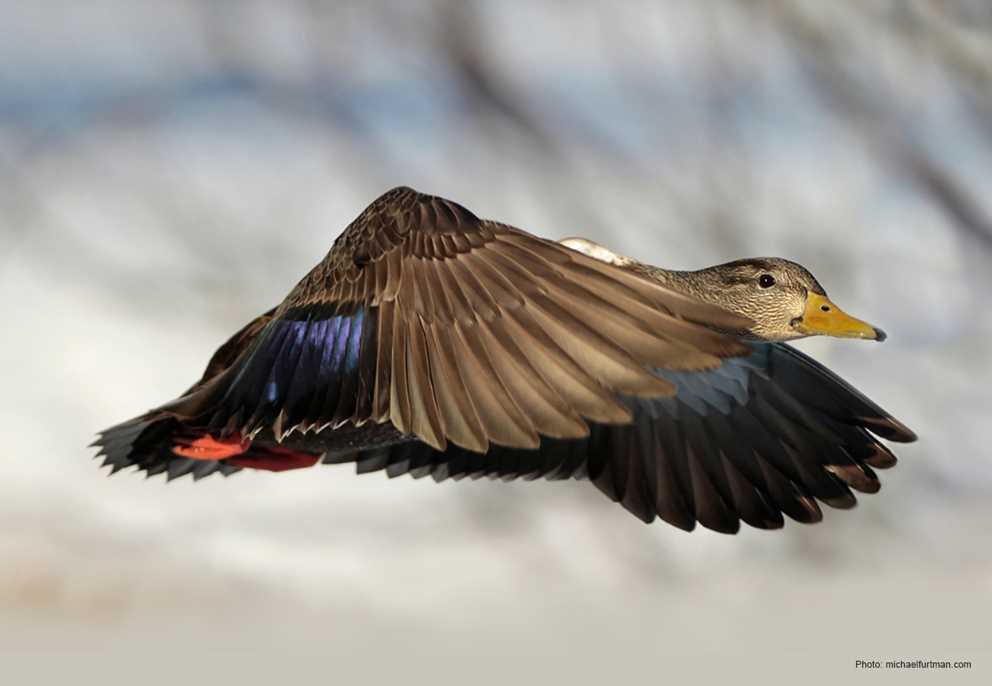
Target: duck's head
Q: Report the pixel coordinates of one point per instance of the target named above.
(782, 298)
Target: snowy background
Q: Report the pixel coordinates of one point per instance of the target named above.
(169, 170)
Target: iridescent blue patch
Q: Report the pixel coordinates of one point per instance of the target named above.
(297, 355)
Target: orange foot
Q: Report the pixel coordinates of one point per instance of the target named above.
(210, 448)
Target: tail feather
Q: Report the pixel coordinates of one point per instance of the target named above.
(157, 445)
(148, 445)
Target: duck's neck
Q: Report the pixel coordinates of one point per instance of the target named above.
(689, 283)
(699, 284)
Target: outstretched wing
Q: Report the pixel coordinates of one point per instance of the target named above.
(763, 435)
(462, 330)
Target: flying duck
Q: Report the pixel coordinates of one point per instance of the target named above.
(431, 342)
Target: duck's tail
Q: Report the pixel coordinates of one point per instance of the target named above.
(158, 444)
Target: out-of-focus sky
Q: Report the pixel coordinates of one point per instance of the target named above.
(169, 170)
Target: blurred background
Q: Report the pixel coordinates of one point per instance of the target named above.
(170, 170)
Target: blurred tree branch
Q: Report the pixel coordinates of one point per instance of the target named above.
(824, 52)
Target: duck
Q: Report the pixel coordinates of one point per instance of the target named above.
(430, 342)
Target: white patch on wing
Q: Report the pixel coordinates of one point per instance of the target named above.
(595, 250)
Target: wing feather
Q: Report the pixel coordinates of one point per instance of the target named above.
(559, 371)
(505, 424)
(400, 404)
(462, 423)
(427, 422)
(533, 395)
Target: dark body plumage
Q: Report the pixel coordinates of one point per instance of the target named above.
(431, 342)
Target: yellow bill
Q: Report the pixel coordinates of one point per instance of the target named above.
(823, 318)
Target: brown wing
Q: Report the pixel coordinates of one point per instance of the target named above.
(463, 330)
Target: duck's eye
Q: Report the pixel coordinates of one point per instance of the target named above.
(766, 280)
